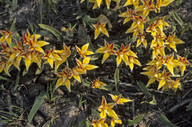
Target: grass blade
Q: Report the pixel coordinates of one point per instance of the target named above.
(136, 120)
(55, 32)
(167, 122)
(36, 105)
(143, 88)
(116, 78)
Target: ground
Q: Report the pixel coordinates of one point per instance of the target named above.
(19, 93)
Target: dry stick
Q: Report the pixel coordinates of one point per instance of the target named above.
(180, 104)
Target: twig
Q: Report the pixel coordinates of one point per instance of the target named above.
(180, 104)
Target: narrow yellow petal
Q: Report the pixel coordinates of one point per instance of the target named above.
(27, 63)
(90, 67)
(39, 49)
(59, 82)
(131, 65)
(97, 32)
(88, 53)
(77, 77)
(118, 60)
(112, 114)
(86, 60)
(67, 84)
(50, 61)
(161, 83)
(105, 56)
(101, 50)
(85, 47)
(104, 31)
(42, 43)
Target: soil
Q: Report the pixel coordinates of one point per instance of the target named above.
(65, 111)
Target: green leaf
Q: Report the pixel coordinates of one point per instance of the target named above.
(143, 87)
(87, 83)
(116, 78)
(189, 107)
(185, 28)
(95, 113)
(84, 123)
(36, 105)
(108, 87)
(178, 2)
(3, 78)
(177, 18)
(95, 57)
(55, 32)
(167, 122)
(12, 29)
(14, 3)
(153, 102)
(136, 120)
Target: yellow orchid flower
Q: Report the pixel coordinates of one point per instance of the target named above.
(99, 123)
(141, 39)
(64, 54)
(113, 121)
(4, 66)
(133, 61)
(6, 36)
(51, 56)
(172, 41)
(76, 73)
(16, 55)
(64, 78)
(137, 25)
(100, 27)
(85, 65)
(158, 62)
(106, 109)
(182, 63)
(162, 3)
(128, 15)
(83, 52)
(130, 2)
(160, 23)
(107, 50)
(146, 7)
(170, 63)
(153, 30)
(158, 39)
(122, 54)
(28, 37)
(30, 57)
(152, 73)
(35, 45)
(163, 78)
(119, 99)
(158, 50)
(98, 84)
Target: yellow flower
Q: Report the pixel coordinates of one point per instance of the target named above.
(152, 73)
(107, 50)
(95, 3)
(130, 2)
(83, 52)
(6, 36)
(51, 56)
(122, 54)
(172, 41)
(106, 109)
(100, 27)
(160, 23)
(137, 25)
(16, 55)
(98, 84)
(182, 63)
(162, 3)
(85, 65)
(118, 99)
(113, 121)
(64, 78)
(32, 56)
(146, 7)
(128, 15)
(133, 61)
(163, 78)
(28, 37)
(170, 63)
(158, 39)
(158, 50)
(99, 123)
(76, 73)
(141, 39)
(64, 54)
(35, 45)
